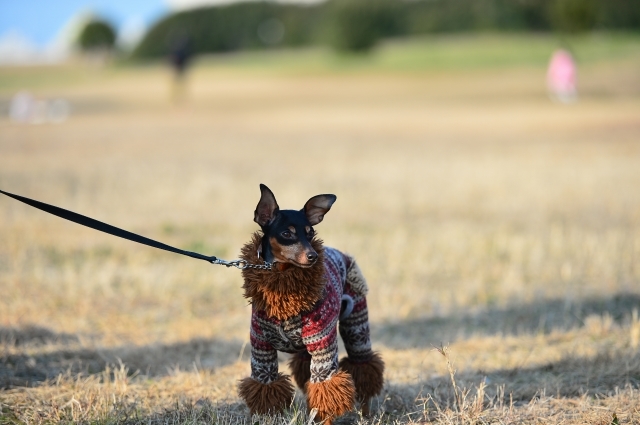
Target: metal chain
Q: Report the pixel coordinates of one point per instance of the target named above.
(242, 264)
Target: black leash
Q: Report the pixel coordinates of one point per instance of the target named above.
(121, 233)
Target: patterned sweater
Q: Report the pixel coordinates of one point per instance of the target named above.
(313, 333)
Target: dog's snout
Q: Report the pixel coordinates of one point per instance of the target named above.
(312, 256)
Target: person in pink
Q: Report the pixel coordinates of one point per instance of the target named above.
(561, 77)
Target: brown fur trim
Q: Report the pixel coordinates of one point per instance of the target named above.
(333, 397)
(300, 365)
(282, 293)
(367, 377)
(267, 398)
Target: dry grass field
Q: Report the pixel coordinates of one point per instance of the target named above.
(499, 232)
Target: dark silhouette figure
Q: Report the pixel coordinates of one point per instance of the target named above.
(180, 58)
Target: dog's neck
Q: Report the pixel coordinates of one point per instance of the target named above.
(283, 292)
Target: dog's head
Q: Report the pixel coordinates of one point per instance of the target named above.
(287, 233)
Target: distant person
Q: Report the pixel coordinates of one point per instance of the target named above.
(561, 77)
(179, 58)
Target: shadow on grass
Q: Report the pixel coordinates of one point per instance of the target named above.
(539, 317)
(34, 335)
(567, 377)
(26, 369)
(613, 374)
(568, 389)
(610, 379)
(600, 375)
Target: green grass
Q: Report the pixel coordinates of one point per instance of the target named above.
(19, 78)
(445, 53)
(439, 52)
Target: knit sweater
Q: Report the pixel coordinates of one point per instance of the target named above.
(312, 332)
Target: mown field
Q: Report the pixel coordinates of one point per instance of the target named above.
(499, 232)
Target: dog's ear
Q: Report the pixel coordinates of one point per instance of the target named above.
(317, 207)
(267, 208)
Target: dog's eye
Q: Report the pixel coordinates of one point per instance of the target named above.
(287, 234)
(310, 233)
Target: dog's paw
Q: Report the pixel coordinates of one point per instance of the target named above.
(333, 397)
(267, 398)
(368, 378)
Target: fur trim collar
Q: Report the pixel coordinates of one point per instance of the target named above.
(287, 293)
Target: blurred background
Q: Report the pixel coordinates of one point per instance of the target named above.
(36, 33)
(485, 155)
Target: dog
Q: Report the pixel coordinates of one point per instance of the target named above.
(296, 307)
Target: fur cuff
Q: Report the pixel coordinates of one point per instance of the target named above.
(267, 398)
(333, 397)
(367, 377)
(300, 365)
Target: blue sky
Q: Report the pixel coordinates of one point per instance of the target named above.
(40, 31)
(41, 20)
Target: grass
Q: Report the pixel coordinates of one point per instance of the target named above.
(445, 53)
(441, 53)
(491, 223)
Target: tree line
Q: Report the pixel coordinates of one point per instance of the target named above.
(357, 25)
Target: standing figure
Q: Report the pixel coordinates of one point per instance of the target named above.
(561, 77)
(179, 58)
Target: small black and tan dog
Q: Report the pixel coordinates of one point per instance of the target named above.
(297, 307)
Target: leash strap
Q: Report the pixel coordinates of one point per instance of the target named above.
(107, 228)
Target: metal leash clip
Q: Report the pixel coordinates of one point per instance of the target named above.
(242, 264)
(239, 264)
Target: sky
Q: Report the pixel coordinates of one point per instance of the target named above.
(34, 30)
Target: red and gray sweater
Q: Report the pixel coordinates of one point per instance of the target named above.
(313, 333)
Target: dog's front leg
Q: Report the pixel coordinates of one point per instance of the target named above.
(331, 391)
(267, 390)
(332, 397)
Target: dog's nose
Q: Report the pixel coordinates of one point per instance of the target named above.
(312, 256)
